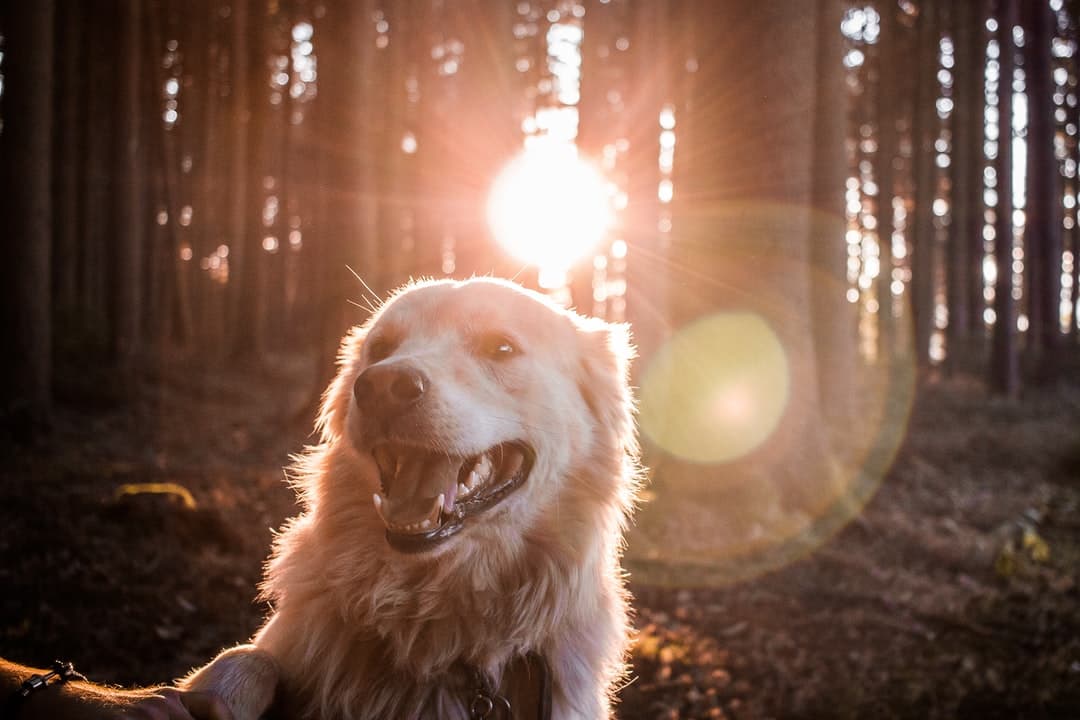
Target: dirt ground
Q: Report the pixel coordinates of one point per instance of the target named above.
(953, 595)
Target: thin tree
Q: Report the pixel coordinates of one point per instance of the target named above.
(26, 109)
(652, 69)
(924, 124)
(888, 116)
(966, 180)
(237, 189)
(1043, 226)
(127, 246)
(246, 269)
(833, 316)
(68, 156)
(98, 190)
(1004, 361)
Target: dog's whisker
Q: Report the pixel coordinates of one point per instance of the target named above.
(375, 303)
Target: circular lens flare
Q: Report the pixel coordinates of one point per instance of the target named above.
(717, 389)
(549, 208)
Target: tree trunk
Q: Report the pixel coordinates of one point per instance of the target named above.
(68, 159)
(246, 268)
(237, 190)
(26, 207)
(99, 182)
(1004, 362)
(653, 70)
(1043, 228)
(127, 246)
(923, 126)
(976, 135)
(888, 115)
(746, 251)
(966, 176)
(834, 318)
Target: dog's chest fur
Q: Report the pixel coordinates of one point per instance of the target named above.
(411, 636)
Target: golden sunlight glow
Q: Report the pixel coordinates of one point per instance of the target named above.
(549, 208)
(717, 389)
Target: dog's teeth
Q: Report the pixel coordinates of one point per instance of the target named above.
(462, 491)
(473, 480)
(379, 507)
(425, 524)
(483, 467)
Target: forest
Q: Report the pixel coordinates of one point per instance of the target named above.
(844, 234)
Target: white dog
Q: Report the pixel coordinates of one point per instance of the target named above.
(463, 519)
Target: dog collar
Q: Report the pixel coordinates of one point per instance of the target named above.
(488, 704)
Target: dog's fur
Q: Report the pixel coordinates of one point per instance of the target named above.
(360, 630)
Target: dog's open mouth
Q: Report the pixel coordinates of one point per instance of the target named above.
(428, 495)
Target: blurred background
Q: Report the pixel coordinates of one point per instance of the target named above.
(844, 233)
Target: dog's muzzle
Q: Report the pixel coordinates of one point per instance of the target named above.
(427, 496)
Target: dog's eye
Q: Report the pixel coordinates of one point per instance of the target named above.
(380, 349)
(497, 347)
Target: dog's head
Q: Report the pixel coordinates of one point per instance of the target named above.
(477, 407)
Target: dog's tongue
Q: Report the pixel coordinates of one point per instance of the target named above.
(419, 480)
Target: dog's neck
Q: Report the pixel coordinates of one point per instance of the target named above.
(408, 630)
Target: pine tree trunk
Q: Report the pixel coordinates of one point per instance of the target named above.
(834, 317)
(1004, 361)
(1043, 228)
(68, 158)
(1072, 145)
(888, 115)
(966, 176)
(976, 136)
(237, 189)
(748, 249)
(99, 182)
(26, 209)
(652, 72)
(127, 246)
(925, 121)
(246, 266)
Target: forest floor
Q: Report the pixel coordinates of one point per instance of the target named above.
(954, 594)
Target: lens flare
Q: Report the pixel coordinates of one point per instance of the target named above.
(717, 389)
(549, 208)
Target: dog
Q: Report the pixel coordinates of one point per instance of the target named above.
(462, 526)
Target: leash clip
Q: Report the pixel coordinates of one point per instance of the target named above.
(483, 705)
(487, 704)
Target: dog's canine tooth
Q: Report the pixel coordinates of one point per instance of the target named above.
(379, 508)
(483, 467)
(473, 480)
(462, 490)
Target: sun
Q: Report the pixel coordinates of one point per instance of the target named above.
(549, 208)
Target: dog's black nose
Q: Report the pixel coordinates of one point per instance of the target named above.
(389, 388)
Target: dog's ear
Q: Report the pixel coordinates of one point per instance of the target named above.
(604, 381)
(330, 423)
